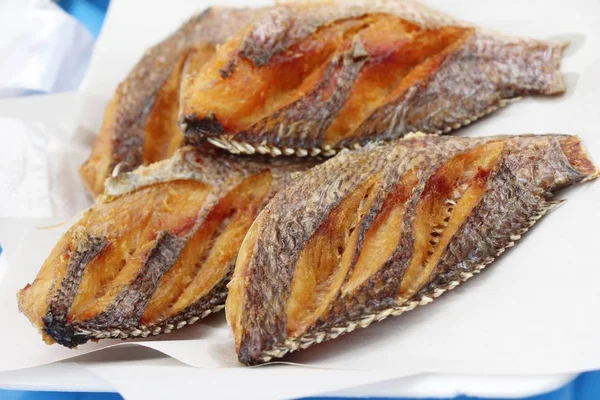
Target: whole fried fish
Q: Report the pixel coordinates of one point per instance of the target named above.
(141, 121)
(309, 79)
(156, 250)
(376, 232)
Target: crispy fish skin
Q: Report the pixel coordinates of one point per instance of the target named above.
(356, 72)
(156, 250)
(376, 232)
(141, 121)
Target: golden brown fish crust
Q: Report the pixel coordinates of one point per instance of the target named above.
(141, 121)
(156, 250)
(376, 232)
(309, 79)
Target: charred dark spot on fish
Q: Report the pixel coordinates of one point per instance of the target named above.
(55, 321)
(198, 130)
(58, 328)
(226, 72)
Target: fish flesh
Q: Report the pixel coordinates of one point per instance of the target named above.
(141, 121)
(156, 250)
(376, 232)
(310, 79)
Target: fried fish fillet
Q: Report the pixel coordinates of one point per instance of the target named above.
(156, 250)
(310, 79)
(141, 121)
(376, 232)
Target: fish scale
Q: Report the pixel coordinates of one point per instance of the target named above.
(514, 196)
(355, 307)
(460, 73)
(124, 134)
(114, 304)
(479, 239)
(289, 227)
(446, 74)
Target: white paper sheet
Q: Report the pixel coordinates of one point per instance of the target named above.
(293, 382)
(533, 312)
(56, 377)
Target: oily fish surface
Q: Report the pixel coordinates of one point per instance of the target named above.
(376, 232)
(356, 73)
(156, 250)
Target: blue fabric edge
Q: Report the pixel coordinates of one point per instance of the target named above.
(585, 387)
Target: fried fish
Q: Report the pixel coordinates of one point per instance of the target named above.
(376, 232)
(309, 79)
(141, 121)
(156, 250)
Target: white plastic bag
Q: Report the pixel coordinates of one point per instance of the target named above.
(42, 48)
